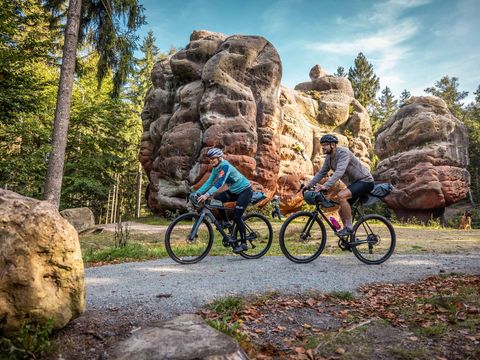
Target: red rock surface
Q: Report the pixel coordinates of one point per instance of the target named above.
(424, 152)
(226, 91)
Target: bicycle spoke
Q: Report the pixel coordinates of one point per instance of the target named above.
(374, 239)
(302, 237)
(181, 246)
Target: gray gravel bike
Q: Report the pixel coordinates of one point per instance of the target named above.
(303, 235)
(189, 238)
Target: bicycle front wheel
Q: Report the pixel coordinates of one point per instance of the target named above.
(259, 235)
(302, 237)
(180, 248)
(374, 239)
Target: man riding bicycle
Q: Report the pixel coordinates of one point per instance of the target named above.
(239, 190)
(343, 162)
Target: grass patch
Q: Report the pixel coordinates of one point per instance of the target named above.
(228, 306)
(342, 295)
(101, 247)
(153, 220)
(407, 354)
(433, 330)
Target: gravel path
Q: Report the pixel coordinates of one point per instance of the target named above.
(163, 288)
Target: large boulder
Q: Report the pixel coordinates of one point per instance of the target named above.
(309, 112)
(225, 90)
(41, 264)
(184, 337)
(80, 218)
(424, 153)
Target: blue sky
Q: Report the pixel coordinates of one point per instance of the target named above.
(411, 43)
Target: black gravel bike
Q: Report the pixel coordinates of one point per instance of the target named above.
(189, 237)
(303, 235)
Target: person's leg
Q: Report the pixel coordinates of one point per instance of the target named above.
(345, 210)
(224, 196)
(242, 201)
(349, 196)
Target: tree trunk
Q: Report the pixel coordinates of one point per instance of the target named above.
(139, 191)
(56, 160)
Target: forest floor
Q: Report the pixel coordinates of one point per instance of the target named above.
(436, 317)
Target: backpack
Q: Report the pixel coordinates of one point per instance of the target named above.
(379, 192)
(257, 197)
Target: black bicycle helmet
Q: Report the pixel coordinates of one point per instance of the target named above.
(328, 139)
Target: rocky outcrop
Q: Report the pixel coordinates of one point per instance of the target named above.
(309, 112)
(81, 218)
(226, 91)
(184, 337)
(424, 153)
(41, 267)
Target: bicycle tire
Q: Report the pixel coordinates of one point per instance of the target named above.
(383, 239)
(291, 234)
(177, 233)
(256, 236)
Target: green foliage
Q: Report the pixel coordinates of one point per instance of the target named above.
(386, 106)
(266, 210)
(404, 96)
(340, 72)
(472, 121)
(227, 307)
(173, 214)
(447, 89)
(230, 329)
(364, 81)
(342, 295)
(141, 82)
(32, 341)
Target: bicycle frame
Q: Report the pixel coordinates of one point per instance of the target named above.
(206, 212)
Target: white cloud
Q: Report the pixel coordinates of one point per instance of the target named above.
(386, 45)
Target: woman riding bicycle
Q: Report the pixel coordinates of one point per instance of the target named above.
(239, 190)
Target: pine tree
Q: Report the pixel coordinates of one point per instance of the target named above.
(386, 106)
(97, 22)
(472, 121)
(141, 81)
(447, 89)
(364, 81)
(404, 96)
(340, 72)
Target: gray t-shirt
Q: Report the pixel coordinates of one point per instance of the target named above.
(344, 163)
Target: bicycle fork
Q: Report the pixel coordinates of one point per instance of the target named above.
(193, 232)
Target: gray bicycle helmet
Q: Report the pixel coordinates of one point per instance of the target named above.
(328, 139)
(214, 153)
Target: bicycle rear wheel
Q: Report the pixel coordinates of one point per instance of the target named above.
(302, 237)
(374, 239)
(259, 235)
(178, 245)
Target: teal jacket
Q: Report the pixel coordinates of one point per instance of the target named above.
(224, 173)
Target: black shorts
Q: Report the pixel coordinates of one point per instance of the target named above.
(359, 188)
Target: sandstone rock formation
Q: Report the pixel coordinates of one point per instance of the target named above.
(41, 267)
(80, 218)
(184, 337)
(424, 153)
(226, 90)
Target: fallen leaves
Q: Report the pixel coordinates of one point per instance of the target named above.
(284, 326)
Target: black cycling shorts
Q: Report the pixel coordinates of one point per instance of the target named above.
(359, 188)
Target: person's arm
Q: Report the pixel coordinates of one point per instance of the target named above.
(321, 174)
(206, 185)
(222, 177)
(342, 163)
